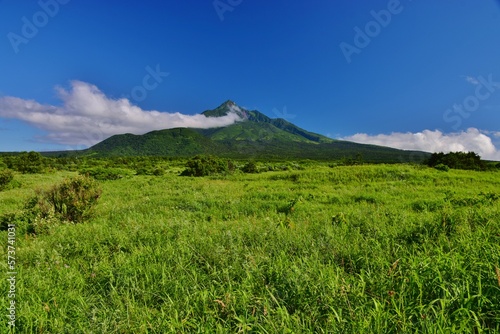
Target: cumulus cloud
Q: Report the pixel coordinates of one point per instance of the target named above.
(435, 141)
(87, 116)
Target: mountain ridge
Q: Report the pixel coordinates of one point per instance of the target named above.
(255, 135)
(258, 117)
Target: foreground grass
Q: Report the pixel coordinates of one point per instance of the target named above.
(365, 249)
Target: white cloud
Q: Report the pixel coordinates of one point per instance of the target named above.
(472, 80)
(87, 116)
(435, 141)
(495, 134)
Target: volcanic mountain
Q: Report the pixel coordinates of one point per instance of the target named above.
(255, 135)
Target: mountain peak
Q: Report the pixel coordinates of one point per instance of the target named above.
(277, 124)
(229, 103)
(226, 108)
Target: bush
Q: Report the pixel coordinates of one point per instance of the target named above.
(205, 166)
(71, 201)
(29, 163)
(250, 167)
(5, 177)
(442, 167)
(103, 174)
(142, 170)
(457, 160)
(158, 171)
(13, 218)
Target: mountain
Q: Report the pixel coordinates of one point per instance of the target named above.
(255, 135)
(258, 127)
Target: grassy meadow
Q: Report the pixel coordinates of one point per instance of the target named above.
(315, 249)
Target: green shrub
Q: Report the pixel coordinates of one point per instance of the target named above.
(71, 201)
(442, 167)
(103, 173)
(457, 160)
(149, 170)
(5, 177)
(142, 170)
(205, 166)
(158, 171)
(42, 222)
(6, 219)
(29, 163)
(250, 167)
(13, 218)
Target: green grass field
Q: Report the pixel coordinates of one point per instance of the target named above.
(359, 249)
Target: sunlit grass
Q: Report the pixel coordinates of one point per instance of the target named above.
(386, 248)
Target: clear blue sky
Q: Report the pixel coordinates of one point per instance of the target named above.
(401, 83)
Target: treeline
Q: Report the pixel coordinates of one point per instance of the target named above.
(113, 168)
(109, 168)
(459, 160)
(35, 163)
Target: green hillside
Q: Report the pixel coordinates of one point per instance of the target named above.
(252, 131)
(255, 136)
(171, 142)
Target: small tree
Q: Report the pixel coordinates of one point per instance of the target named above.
(442, 167)
(457, 160)
(5, 177)
(204, 166)
(250, 167)
(29, 163)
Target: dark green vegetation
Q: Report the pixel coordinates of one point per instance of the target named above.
(6, 176)
(458, 160)
(256, 136)
(206, 166)
(71, 201)
(24, 162)
(299, 247)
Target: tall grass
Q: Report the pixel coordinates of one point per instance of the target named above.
(366, 249)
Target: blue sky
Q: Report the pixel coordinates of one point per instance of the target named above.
(411, 74)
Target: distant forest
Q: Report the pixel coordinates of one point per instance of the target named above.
(459, 160)
(34, 162)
